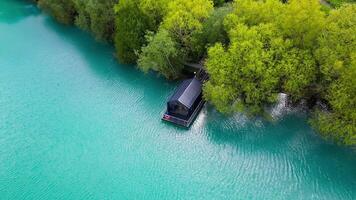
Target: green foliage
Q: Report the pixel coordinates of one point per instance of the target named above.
(298, 72)
(133, 19)
(339, 3)
(302, 22)
(337, 42)
(246, 69)
(161, 55)
(293, 48)
(337, 58)
(218, 3)
(340, 124)
(252, 12)
(184, 19)
(155, 10)
(213, 31)
(131, 25)
(82, 20)
(62, 10)
(265, 56)
(97, 17)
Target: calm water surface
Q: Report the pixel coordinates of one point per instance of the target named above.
(75, 124)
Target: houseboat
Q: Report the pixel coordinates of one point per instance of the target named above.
(186, 103)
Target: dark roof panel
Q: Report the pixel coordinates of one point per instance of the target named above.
(187, 92)
(180, 90)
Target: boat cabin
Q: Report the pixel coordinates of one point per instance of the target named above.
(185, 104)
(185, 99)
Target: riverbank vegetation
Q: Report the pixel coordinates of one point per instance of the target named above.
(252, 49)
(338, 3)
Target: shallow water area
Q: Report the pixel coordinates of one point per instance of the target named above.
(75, 124)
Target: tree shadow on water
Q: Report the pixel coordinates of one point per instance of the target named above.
(13, 11)
(289, 140)
(99, 58)
(291, 131)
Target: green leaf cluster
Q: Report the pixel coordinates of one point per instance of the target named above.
(265, 55)
(294, 48)
(182, 20)
(134, 18)
(97, 17)
(337, 57)
(213, 31)
(339, 3)
(161, 55)
(62, 10)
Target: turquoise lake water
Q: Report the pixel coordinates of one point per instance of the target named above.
(75, 124)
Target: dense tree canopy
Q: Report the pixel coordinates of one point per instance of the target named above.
(133, 19)
(213, 31)
(62, 10)
(337, 42)
(253, 49)
(182, 21)
(337, 58)
(161, 55)
(264, 58)
(97, 17)
(244, 73)
(339, 124)
(94, 16)
(292, 48)
(185, 17)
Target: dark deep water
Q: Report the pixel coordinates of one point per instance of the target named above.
(75, 124)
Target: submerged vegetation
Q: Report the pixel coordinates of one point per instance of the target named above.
(252, 49)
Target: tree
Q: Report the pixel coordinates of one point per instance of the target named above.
(184, 19)
(251, 13)
(245, 76)
(302, 22)
(61, 10)
(161, 55)
(82, 20)
(337, 58)
(131, 26)
(213, 31)
(261, 60)
(218, 3)
(133, 19)
(97, 17)
(155, 10)
(339, 124)
(337, 42)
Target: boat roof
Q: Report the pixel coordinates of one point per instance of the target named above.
(187, 92)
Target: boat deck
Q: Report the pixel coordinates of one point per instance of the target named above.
(183, 122)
